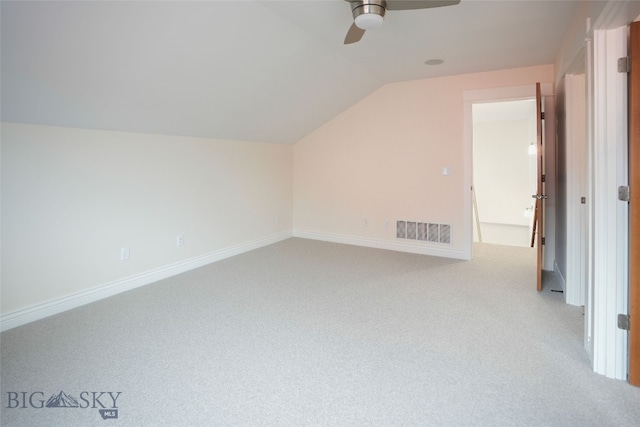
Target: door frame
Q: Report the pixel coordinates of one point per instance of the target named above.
(634, 205)
(607, 294)
(512, 93)
(540, 206)
(576, 146)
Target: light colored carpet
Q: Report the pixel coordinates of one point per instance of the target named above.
(315, 333)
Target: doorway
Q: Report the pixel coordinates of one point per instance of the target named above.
(513, 93)
(504, 171)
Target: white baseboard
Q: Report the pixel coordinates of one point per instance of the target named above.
(68, 302)
(415, 248)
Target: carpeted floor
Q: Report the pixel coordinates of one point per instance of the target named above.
(314, 333)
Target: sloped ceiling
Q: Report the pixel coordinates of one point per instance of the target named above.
(267, 71)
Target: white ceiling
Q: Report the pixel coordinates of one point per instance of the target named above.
(269, 71)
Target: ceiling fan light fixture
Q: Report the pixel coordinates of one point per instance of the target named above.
(368, 21)
(368, 14)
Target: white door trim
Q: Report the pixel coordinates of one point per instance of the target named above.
(608, 293)
(575, 126)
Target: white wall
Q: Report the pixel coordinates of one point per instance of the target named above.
(72, 198)
(382, 160)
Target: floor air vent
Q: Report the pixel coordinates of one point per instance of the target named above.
(424, 231)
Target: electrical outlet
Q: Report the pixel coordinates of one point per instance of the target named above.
(277, 219)
(180, 240)
(124, 254)
(365, 222)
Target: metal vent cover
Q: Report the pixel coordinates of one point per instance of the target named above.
(401, 229)
(445, 233)
(412, 228)
(423, 231)
(433, 233)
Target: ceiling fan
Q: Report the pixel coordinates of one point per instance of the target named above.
(368, 14)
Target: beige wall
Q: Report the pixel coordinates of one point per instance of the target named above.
(382, 160)
(72, 198)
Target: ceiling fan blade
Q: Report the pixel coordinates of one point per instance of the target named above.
(354, 34)
(418, 4)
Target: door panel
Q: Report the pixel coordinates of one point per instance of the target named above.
(539, 210)
(634, 205)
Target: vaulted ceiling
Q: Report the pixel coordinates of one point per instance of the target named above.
(267, 71)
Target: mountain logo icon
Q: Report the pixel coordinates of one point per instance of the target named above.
(62, 400)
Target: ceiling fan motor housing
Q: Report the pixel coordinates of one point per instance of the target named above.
(368, 14)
